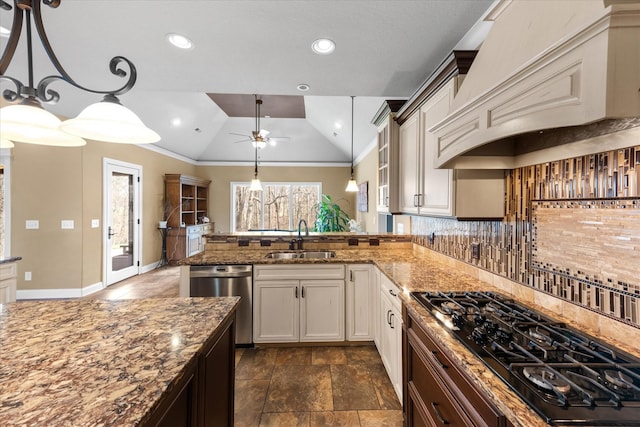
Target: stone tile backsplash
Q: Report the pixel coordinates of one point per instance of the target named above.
(518, 249)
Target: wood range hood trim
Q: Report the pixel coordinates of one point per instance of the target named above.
(589, 77)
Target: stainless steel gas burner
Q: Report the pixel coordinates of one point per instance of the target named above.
(568, 377)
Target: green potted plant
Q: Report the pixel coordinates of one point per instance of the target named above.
(330, 216)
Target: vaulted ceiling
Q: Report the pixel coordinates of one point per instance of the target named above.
(384, 50)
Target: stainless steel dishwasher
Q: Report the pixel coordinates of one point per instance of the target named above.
(224, 281)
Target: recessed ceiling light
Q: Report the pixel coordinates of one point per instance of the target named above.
(338, 125)
(180, 41)
(323, 46)
(176, 121)
(303, 87)
(4, 32)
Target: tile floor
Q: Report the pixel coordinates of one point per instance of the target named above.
(292, 386)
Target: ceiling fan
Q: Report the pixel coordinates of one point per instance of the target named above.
(259, 137)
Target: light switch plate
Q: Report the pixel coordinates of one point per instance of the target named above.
(27, 276)
(95, 223)
(32, 224)
(67, 224)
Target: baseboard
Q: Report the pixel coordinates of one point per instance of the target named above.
(27, 294)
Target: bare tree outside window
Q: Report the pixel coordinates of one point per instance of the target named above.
(278, 207)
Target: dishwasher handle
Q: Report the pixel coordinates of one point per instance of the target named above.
(224, 271)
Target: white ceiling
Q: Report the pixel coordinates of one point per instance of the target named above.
(384, 50)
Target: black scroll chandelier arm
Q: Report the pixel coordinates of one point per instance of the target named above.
(14, 37)
(48, 95)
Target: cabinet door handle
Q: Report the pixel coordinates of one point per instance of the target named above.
(391, 292)
(351, 275)
(391, 321)
(415, 200)
(389, 317)
(435, 356)
(419, 199)
(434, 405)
(296, 292)
(302, 293)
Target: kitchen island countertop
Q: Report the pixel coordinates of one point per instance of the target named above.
(97, 362)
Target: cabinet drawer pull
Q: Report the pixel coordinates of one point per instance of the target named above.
(391, 321)
(391, 292)
(296, 292)
(435, 356)
(434, 405)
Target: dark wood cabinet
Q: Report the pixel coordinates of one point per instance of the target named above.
(186, 204)
(203, 396)
(436, 391)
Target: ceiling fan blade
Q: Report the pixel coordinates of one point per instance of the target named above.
(240, 134)
(243, 140)
(279, 137)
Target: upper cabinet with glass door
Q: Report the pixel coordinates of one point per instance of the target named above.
(387, 197)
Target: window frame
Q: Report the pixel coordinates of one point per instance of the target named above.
(234, 184)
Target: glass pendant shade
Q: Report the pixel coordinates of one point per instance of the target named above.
(352, 186)
(5, 143)
(256, 185)
(34, 125)
(110, 122)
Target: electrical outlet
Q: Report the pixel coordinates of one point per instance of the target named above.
(66, 224)
(95, 223)
(475, 251)
(27, 276)
(32, 224)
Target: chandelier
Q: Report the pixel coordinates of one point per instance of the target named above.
(25, 120)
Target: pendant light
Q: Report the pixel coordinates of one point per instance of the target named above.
(352, 186)
(255, 182)
(27, 121)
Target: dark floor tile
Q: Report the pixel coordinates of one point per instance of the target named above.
(380, 418)
(334, 419)
(299, 388)
(285, 419)
(249, 401)
(363, 355)
(387, 397)
(352, 388)
(328, 356)
(294, 356)
(256, 364)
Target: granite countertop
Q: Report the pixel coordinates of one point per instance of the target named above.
(412, 271)
(4, 260)
(98, 362)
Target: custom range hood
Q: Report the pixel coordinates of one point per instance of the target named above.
(552, 80)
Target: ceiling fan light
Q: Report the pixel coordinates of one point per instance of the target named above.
(352, 186)
(259, 143)
(110, 122)
(256, 185)
(30, 123)
(5, 143)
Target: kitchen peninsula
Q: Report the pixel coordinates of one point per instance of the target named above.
(412, 268)
(120, 363)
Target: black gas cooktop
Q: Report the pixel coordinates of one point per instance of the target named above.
(566, 376)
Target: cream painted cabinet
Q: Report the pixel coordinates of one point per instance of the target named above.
(298, 303)
(387, 200)
(390, 320)
(409, 151)
(427, 190)
(8, 282)
(360, 290)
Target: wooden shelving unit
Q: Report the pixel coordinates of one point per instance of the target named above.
(187, 200)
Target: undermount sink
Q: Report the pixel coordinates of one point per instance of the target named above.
(303, 254)
(318, 254)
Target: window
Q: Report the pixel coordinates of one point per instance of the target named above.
(280, 206)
